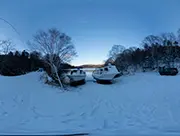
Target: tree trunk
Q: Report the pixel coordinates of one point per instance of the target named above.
(58, 78)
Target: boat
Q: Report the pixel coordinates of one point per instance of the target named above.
(106, 73)
(77, 77)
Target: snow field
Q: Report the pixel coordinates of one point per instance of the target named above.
(144, 103)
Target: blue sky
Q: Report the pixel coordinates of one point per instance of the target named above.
(94, 25)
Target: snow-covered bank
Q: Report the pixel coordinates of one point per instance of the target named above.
(144, 103)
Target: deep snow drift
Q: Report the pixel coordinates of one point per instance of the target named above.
(144, 103)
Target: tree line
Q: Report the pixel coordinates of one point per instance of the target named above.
(155, 51)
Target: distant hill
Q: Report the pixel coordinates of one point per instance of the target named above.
(90, 65)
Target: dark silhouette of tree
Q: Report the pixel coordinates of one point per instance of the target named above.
(115, 50)
(6, 46)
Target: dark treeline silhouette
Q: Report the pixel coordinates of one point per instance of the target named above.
(90, 65)
(147, 58)
(155, 51)
(18, 63)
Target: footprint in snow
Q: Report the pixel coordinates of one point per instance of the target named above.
(83, 114)
(24, 122)
(82, 126)
(36, 117)
(67, 121)
(68, 114)
(82, 106)
(5, 113)
(1, 103)
(105, 124)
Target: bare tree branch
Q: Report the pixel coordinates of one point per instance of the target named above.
(55, 46)
(115, 50)
(6, 46)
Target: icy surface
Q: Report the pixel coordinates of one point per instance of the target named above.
(144, 103)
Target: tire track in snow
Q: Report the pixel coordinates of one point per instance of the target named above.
(94, 110)
(143, 118)
(95, 107)
(38, 114)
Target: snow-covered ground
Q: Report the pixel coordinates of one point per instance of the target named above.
(144, 103)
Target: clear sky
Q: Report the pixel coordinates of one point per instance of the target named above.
(94, 25)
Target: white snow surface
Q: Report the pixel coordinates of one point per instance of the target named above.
(140, 104)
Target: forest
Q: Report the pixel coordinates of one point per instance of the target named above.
(154, 51)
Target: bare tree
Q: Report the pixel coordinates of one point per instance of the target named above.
(169, 39)
(152, 42)
(178, 36)
(6, 46)
(109, 60)
(53, 44)
(115, 50)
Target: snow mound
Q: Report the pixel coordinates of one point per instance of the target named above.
(145, 103)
